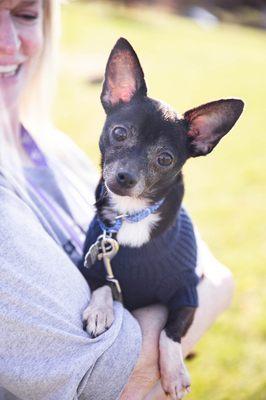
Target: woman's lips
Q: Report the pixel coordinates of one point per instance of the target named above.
(9, 71)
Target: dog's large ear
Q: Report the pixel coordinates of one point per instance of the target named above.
(208, 123)
(124, 77)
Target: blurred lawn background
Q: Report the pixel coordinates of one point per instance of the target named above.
(187, 65)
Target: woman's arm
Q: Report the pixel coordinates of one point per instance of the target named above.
(215, 294)
(45, 354)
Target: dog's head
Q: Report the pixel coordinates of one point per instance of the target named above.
(144, 143)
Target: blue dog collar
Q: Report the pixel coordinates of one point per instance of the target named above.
(131, 218)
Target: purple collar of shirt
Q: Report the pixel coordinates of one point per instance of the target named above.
(32, 149)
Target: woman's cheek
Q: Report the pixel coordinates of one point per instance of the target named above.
(33, 42)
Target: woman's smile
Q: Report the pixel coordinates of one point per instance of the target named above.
(9, 71)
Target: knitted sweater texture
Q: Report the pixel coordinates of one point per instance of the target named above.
(162, 270)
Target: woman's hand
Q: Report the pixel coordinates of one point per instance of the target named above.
(146, 372)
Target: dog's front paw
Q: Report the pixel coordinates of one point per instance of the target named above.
(97, 320)
(175, 378)
(99, 315)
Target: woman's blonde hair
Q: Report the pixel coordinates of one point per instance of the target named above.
(37, 97)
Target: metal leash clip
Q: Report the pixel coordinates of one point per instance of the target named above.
(110, 247)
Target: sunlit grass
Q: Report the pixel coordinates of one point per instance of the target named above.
(186, 65)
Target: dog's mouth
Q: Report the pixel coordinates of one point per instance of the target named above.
(117, 190)
(124, 181)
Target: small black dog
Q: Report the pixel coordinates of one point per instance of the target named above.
(144, 145)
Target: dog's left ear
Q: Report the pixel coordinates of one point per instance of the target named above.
(207, 124)
(124, 77)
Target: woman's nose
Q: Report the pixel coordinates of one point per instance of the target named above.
(9, 39)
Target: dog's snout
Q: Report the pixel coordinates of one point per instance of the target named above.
(126, 180)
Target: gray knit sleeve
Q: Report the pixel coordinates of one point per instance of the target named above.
(44, 352)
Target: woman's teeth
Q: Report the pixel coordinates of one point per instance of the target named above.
(8, 70)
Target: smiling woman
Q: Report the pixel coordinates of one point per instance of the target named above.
(22, 42)
(25, 44)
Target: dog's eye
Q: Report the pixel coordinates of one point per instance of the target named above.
(165, 159)
(119, 133)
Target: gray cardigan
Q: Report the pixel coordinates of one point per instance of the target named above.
(44, 352)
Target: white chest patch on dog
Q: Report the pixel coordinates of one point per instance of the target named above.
(137, 233)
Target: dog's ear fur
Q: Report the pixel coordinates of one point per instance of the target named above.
(124, 78)
(208, 123)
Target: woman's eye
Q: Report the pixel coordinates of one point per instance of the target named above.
(27, 16)
(119, 133)
(165, 159)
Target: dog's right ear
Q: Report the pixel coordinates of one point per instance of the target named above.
(207, 124)
(124, 78)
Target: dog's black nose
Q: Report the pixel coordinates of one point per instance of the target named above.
(126, 180)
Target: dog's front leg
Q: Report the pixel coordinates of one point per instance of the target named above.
(99, 315)
(174, 374)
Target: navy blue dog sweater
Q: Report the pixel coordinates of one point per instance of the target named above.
(160, 271)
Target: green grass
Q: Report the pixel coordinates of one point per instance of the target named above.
(225, 192)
